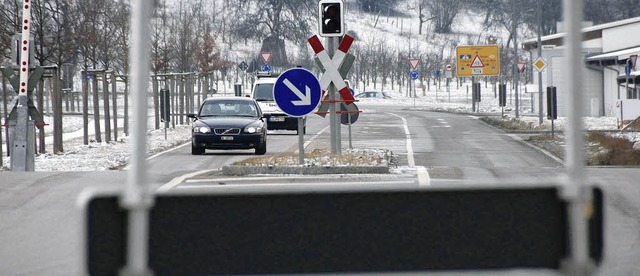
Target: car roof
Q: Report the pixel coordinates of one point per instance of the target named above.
(213, 99)
(266, 80)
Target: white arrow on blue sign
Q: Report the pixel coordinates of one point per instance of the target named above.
(266, 68)
(297, 92)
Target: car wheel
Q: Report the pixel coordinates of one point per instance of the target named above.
(261, 149)
(196, 150)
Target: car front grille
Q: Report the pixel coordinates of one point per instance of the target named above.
(226, 131)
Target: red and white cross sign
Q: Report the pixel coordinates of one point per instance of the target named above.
(331, 65)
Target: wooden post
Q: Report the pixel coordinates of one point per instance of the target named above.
(57, 112)
(96, 107)
(107, 111)
(114, 99)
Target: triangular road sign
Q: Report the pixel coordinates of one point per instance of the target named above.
(521, 66)
(413, 62)
(266, 56)
(477, 63)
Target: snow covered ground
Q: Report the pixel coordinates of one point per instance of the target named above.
(114, 155)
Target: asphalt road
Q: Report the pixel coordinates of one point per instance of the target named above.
(40, 220)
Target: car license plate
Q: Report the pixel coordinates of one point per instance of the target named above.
(277, 119)
(227, 138)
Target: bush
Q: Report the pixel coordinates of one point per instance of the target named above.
(616, 151)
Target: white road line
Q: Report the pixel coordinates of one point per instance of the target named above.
(126, 168)
(179, 179)
(306, 144)
(412, 162)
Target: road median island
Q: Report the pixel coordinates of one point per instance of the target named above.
(319, 161)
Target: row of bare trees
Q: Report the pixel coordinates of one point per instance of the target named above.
(94, 34)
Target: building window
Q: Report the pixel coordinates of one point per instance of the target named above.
(632, 93)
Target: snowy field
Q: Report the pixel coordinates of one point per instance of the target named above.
(114, 155)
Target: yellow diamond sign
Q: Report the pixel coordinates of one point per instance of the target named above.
(540, 64)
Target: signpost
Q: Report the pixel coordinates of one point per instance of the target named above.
(477, 61)
(521, 65)
(473, 61)
(448, 71)
(331, 75)
(540, 64)
(298, 94)
(266, 56)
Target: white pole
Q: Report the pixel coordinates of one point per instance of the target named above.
(137, 199)
(575, 190)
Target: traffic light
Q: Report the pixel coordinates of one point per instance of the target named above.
(330, 15)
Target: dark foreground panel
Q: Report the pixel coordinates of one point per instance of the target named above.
(340, 232)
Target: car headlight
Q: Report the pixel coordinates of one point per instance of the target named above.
(201, 130)
(253, 129)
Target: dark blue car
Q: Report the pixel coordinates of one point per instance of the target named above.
(228, 123)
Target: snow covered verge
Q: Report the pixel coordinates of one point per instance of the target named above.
(114, 155)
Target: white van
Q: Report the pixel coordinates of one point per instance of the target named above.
(263, 92)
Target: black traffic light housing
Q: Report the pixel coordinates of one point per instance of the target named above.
(331, 18)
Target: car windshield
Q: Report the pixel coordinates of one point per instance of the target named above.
(228, 108)
(264, 92)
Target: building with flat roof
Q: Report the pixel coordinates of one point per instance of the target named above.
(607, 48)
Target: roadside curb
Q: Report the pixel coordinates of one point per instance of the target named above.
(248, 170)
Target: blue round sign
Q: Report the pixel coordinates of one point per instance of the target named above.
(414, 75)
(297, 92)
(266, 68)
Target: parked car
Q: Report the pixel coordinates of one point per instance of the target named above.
(228, 123)
(373, 94)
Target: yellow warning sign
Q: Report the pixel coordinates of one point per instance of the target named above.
(481, 60)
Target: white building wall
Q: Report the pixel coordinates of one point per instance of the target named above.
(621, 37)
(611, 91)
(555, 75)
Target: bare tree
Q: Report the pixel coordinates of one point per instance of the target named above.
(443, 13)
(10, 17)
(274, 21)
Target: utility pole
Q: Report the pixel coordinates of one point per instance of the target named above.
(515, 55)
(540, 96)
(22, 148)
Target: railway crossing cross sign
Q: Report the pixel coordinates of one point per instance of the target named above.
(332, 66)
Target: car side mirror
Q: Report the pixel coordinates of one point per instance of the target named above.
(192, 115)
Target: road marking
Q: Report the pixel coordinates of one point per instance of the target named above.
(412, 162)
(126, 168)
(179, 179)
(306, 144)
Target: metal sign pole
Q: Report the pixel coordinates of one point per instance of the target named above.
(575, 191)
(333, 105)
(301, 140)
(136, 198)
(20, 144)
